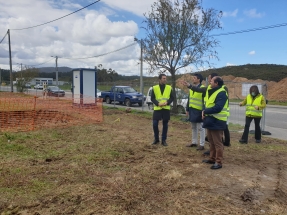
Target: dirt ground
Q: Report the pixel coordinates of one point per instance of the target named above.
(112, 168)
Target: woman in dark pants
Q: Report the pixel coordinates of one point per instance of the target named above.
(255, 103)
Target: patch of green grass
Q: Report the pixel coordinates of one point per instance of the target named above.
(277, 103)
(38, 185)
(235, 127)
(268, 147)
(56, 134)
(10, 150)
(66, 87)
(9, 136)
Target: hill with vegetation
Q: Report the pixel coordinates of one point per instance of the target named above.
(268, 72)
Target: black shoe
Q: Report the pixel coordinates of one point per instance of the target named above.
(155, 142)
(216, 166)
(200, 148)
(226, 144)
(242, 141)
(258, 141)
(191, 145)
(206, 153)
(163, 143)
(206, 138)
(208, 161)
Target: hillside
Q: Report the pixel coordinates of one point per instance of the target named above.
(53, 69)
(268, 72)
(273, 91)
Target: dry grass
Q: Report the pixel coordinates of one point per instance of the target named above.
(111, 168)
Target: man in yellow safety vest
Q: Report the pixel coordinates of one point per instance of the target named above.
(215, 116)
(161, 97)
(193, 110)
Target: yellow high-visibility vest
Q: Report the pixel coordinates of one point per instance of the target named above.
(162, 97)
(228, 108)
(222, 115)
(195, 99)
(250, 110)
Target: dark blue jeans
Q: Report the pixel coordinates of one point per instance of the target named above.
(156, 131)
(248, 121)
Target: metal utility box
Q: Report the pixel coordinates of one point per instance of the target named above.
(84, 86)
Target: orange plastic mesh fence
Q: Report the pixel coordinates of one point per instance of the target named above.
(26, 113)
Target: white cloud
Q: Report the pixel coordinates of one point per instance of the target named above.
(232, 13)
(87, 33)
(253, 13)
(252, 53)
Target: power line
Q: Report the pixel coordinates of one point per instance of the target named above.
(85, 57)
(3, 37)
(17, 29)
(37, 64)
(101, 54)
(252, 29)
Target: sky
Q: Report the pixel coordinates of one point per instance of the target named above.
(109, 25)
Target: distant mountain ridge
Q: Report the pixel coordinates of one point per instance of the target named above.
(268, 72)
(53, 69)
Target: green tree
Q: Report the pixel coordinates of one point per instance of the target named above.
(25, 76)
(178, 34)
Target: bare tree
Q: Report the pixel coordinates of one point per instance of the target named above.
(178, 34)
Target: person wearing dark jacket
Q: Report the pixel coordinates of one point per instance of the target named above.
(214, 117)
(193, 110)
(161, 97)
(226, 140)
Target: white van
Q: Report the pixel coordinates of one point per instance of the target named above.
(182, 99)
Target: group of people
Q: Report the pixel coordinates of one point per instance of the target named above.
(208, 111)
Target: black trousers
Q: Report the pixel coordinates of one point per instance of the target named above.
(248, 121)
(156, 130)
(226, 136)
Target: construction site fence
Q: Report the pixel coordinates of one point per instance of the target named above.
(21, 112)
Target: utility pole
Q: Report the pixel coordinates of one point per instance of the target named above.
(141, 72)
(57, 71)
(141, 75)
(11, 74)
(56, 58)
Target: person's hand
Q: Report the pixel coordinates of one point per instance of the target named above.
(256, 107)
(240, 103)
(202, 114)
(162, 104)
(186, 113)
(184, 83)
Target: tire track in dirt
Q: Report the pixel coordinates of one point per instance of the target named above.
(268, 186)
(281, 188)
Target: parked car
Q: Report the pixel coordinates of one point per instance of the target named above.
(123, 94)
(98, 93)
(38, 87)
(55, 91)
(181, 96)
(28, 86)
